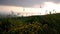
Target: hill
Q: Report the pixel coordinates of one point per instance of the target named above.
(44, 24)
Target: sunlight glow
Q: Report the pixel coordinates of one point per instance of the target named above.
(52, 6)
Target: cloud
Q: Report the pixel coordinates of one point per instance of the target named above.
(9, 8)
(25, 3)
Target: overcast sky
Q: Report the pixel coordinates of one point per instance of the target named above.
(29, 5)
(25, 3)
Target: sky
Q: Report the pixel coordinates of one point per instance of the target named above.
(30, 6)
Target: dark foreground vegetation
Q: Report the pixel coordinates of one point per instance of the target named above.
(47, 24)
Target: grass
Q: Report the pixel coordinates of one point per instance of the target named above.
(45, 24)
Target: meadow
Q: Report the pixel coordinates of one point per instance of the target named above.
(44, 24)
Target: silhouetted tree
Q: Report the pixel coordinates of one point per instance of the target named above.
(54, 11)
(46, 12)
(12, 12)
(50, 12)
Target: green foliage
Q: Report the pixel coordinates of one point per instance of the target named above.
(48, 24)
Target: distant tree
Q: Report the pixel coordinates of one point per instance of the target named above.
(40, 6)
(12, 12)
(18, 13)
(54, 11)
(50, 12)
(46, 12)
(23, 9)
(40, 13)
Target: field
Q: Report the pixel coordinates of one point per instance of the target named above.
(44, 24)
